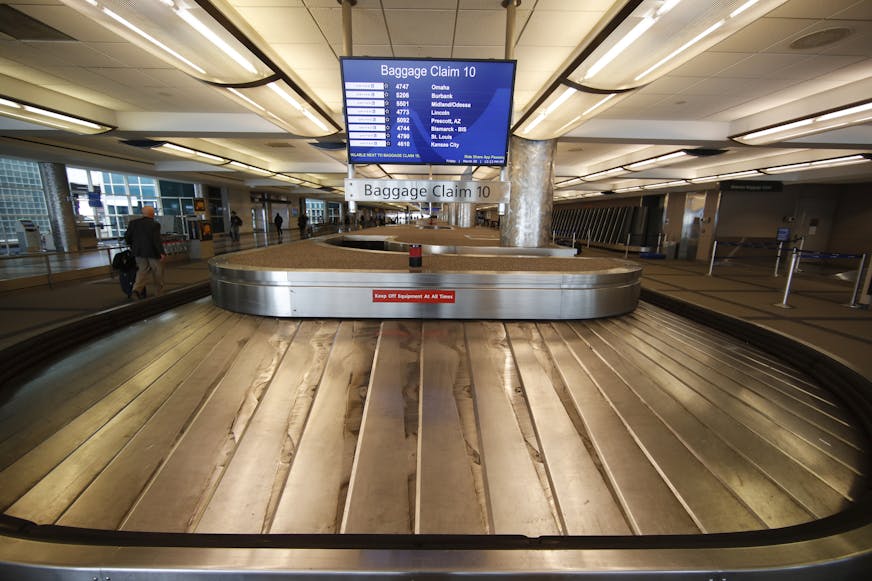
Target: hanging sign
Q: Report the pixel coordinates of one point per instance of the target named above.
(363, 190)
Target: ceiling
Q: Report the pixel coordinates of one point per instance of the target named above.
(751, 79)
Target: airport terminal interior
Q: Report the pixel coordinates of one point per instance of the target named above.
(499, 288)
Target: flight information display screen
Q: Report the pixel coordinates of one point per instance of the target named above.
(427, 111)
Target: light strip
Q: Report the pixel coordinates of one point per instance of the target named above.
(210, 35)
(174, 149)
(151, 39)
(61, 117)
(821, 163)
(845, 112)
(665, 185)
(725, 176)
(655, 160)
(680, 49)
(294, 103)
(603, 174)
(808, 125)
(32, 120)
(250, 168)
(249, 101)
(50, 118)
(778, 129)
(630, 38)
(742, 8)
(619, 47)
(569, 182)
(628, 189)
(599, 103)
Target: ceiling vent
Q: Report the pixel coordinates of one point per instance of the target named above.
(821, 38)
(328, 145)
(20, 26)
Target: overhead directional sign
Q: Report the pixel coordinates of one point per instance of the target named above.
(363, 190)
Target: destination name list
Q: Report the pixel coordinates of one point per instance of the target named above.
(379, 115)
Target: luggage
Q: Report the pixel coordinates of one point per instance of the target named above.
(127, 278)
(125, 263)
(124, 260)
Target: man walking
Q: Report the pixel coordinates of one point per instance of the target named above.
(143, 237)
(278, 222)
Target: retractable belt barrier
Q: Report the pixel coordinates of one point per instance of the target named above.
(796, 255)
(779, 247)
(794, 260)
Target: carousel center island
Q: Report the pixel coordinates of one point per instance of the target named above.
(464, 274)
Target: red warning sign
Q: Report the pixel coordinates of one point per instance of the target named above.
(412, 296)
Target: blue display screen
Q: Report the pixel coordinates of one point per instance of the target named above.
(427, 111)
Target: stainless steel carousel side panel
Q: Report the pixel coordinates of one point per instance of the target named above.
(392, 294)
(840, 556)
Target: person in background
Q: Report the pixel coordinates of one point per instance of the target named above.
(235, 223)
(278, 221)
(143, 237)
(303, 222)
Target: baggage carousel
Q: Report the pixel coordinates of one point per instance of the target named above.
(222, 444)
(464, 274)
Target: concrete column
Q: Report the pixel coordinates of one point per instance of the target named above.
(58, 199)
(527, 222)
(465, 214)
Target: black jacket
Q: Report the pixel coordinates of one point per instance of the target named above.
(143, 237)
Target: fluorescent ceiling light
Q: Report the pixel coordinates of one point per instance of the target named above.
(604, 174)
(250, 168)
(628, 189)
(275, 88)
(742, 8)
(725, 176)
(62, 117)
(819, 122)
(674, 156)
(33, 114)
(569, 182)
(210, 35)
(666, 185)
(818, 164)
(619, 46)
(679, 50)
(133, 28)
(658, 36)
(188, 153)
(598, 104)
(247, 100)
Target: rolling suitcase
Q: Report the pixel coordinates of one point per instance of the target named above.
(125, 263)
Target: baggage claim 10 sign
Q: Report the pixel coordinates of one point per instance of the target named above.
(443, 112)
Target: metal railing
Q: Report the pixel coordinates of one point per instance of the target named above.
(52, 265)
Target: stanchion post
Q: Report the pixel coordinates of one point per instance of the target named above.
(783, 304)
(48, 268)
(778, 258)
(588, 237)
(659, 241)
(627, 246)
(856, 294)
(799, 257)
(712, 261)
